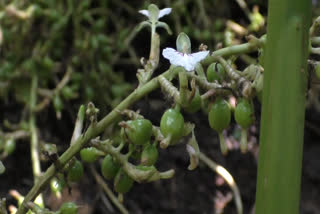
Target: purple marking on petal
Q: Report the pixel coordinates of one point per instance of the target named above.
(182, 54)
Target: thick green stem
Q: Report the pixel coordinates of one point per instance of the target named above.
(283, 109)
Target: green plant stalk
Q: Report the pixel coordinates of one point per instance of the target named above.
(243, 141)
(183, 84)
(138, 175)
(169, 88)
(249, 47)
(108, 191)
(199, 70)
(229, 70)
(203, 82)
(223, 145)
(154, 55)
(108, 120)
(34, 142)
(283, 108)
(154, 46)
(227, 177)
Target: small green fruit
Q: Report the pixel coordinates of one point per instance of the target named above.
(57, 103)
(136, 151)
(47, 63)
(139, 131)
(109, 167)
(68, 93)
(244, 113)
(149, 155)
(172, 124)
(69, 208)
(10, 146)
(89, 154)
(219, 115)
(57, 184)
(122, 182)
(195, 104)
(75, 173)
(216, 72)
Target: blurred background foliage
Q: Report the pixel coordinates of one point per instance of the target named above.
(89, 50)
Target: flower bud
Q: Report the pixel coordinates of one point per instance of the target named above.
(153, 12)
(183, 43)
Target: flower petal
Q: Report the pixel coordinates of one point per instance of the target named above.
(175, 57)
(188, 61)
(200, 55)
(164, 12)
(197, 57)
(144, 12)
